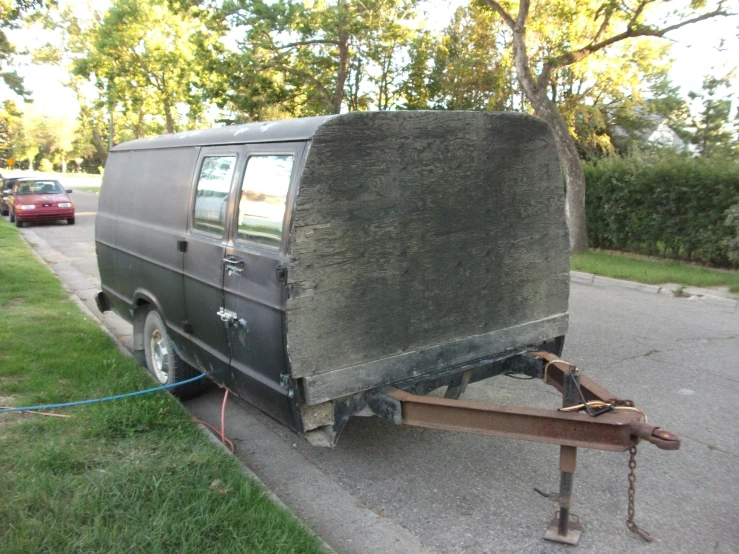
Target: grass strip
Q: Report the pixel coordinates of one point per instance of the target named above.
(86, 189)
(645, 270)
(131, 475)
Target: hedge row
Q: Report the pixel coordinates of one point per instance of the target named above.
(667, 205)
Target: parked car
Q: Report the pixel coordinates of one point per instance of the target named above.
(308, 264)
(6, 191)
(39, 200)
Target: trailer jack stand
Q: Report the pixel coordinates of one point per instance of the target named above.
(561, 529)
(609, 424)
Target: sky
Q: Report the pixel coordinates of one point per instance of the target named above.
(695, 51)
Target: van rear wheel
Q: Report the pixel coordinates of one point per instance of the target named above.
(163, 362)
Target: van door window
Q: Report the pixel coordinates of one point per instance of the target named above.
(263, 196)
(211, 199)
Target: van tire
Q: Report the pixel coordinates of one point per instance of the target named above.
(70, 220)
(163, 362)
(18, 222)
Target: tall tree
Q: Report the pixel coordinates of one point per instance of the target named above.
(417, 89)
(713, 135)
(22, 144)
(141, 58)
(318, 57)
(472, 68)
(591, 27)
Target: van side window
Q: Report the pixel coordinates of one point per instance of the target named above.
(263, 196)
(211, 198)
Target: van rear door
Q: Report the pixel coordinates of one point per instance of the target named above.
(216, 171)
(253, 291)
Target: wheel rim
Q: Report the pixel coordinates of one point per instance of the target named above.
(159, 356)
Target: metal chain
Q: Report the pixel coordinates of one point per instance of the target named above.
(633, 527)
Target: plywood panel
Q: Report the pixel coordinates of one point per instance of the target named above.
(418, 229)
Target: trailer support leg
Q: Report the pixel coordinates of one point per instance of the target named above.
(618, 429)
(562, 529)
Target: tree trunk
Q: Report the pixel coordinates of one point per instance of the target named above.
(342, 73)
(569, 159)
(170, 121)
(97, 142)
(111, 132)
(64, 162)
(138, 128)
(168, 116)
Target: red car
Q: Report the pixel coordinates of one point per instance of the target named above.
(40, 200)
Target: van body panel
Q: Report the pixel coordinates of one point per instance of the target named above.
(255, 295)
(287, 130)
(203, 262)
(106, 222)
(151, 217)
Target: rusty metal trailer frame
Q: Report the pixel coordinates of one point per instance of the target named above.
(615, 425)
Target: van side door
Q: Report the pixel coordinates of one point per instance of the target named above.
(206, 242)
(253, 288)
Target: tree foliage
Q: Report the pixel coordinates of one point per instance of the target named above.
(142, 59)
(12, 13)
(21, 145)
(594, 69)
(591, 27)
(667, 205)
(317, 57)
(472, 68)
(713, 134)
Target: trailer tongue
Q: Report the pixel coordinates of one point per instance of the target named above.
(590, 417)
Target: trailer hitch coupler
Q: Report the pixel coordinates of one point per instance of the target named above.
(664, 440)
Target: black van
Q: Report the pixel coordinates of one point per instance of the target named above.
(308, 264)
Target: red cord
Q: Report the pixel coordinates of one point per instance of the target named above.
(223, 416)
(222, 433)
(227, 441)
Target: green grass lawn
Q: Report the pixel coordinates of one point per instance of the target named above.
(644, 270)
(131, 475)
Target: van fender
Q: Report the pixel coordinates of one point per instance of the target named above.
(143, 301)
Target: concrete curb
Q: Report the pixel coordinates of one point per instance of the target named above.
(676, 291)
(271, 495)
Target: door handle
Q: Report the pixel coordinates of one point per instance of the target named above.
(234, 265)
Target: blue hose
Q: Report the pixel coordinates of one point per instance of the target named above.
(96, 400)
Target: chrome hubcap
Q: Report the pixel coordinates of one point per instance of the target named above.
(159, 359)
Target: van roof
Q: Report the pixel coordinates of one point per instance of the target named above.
(265, 131)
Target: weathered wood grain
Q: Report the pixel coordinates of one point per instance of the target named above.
(349, 380)
(413, 230)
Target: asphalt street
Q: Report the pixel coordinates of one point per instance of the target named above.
(421, 490)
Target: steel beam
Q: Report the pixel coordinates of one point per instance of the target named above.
(611, 431)
(554, 371)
